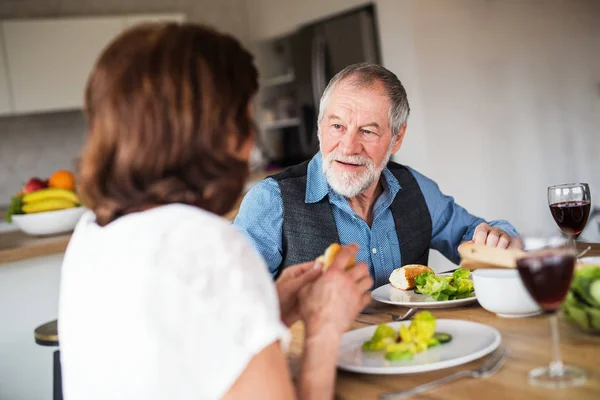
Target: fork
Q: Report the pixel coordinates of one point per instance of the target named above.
(395, 317)
(488, 368)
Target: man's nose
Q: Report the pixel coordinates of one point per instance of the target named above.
(350, 143)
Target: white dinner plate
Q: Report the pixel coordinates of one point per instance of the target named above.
(470, 341)
(408, 298)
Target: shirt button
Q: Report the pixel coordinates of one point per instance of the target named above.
(374, 250)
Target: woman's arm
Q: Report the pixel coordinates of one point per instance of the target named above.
(327, 306)
(267, 376)
(318, 369)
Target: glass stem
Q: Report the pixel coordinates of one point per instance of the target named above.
(572, 242)
(556, 366)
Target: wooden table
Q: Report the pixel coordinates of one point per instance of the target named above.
(527, 338)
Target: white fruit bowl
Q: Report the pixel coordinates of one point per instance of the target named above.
(50, 222)
(502, 292)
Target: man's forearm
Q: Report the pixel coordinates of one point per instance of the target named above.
(318, 370)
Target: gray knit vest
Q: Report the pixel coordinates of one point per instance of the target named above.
(309, 228)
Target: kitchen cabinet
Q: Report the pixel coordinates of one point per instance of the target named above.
(5, 101)
(49, 60)
(131, 20)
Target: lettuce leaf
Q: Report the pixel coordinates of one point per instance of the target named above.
(582, 305)
(14, 208)
(441, 288)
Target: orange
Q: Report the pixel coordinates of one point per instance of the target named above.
(62, 179)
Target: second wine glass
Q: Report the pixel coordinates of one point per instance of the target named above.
(570, 207)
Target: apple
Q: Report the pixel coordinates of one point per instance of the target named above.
(33, 185)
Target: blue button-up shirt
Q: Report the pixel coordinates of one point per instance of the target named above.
(261, 218)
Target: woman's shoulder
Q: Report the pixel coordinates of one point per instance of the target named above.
(190, 223)
(210, 240)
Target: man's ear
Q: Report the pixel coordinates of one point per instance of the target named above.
(399, 138)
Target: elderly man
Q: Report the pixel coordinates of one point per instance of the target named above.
(350, 192)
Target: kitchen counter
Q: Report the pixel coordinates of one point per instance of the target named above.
(16, 245)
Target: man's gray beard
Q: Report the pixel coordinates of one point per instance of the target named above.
(351, 184)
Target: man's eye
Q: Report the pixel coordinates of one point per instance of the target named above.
(368, 132)
(337, 126)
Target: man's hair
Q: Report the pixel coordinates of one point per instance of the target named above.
(367, 75)
(167, 109)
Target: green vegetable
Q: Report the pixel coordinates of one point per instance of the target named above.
(441, 288)
(384, 331)
(400, 351)
(14, 208)
(582, 305)
(377, 345)
(382, 337)
(442, 337)
(414, 338)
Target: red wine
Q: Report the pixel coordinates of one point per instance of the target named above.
(571, 216)
(547, 277)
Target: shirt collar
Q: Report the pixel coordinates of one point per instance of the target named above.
(317, 187)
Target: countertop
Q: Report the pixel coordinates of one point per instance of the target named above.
(16, 245)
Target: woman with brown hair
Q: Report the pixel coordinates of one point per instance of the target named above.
(160, 296)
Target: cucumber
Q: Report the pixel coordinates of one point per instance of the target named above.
(442, 337)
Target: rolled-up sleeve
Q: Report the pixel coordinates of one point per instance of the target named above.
(451, 223)
(260, 218)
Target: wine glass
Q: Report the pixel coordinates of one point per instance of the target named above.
(570, 206)
(546, 269)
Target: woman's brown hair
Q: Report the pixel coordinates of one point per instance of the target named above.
(167, 109)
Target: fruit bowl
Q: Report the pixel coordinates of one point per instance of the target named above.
(50, 222)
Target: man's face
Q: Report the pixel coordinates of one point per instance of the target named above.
(355, 138)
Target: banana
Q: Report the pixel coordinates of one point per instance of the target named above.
(51, 204)
(51, 193)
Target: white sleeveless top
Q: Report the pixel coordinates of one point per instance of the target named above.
(169, 303)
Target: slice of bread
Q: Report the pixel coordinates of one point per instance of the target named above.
(404, 278)
(327, 258)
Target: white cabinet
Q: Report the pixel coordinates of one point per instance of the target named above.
(5, 103)
(131, 20)
(49, 61)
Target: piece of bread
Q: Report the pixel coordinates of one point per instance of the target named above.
(329, 256)
(404, 278)
(486, 255)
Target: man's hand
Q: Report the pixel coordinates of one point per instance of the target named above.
(495, 237)
(288, 285)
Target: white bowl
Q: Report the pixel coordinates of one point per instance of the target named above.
(590, 260)
(50, 222)
(502, 292)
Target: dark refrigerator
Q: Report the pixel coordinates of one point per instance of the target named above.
(318, 51)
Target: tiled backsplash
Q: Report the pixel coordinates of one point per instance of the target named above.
(37, 145)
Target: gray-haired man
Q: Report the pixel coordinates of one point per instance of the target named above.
(350, 192)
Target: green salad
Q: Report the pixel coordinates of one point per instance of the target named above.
(582, 305)
(457, 286)
(411, 339)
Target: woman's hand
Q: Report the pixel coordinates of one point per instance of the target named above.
(333, 301)
(289, 284)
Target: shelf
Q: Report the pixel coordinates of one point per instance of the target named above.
(282, 123)
(278, 80)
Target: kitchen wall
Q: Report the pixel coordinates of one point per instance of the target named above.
(505, 94)
(39, 144)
